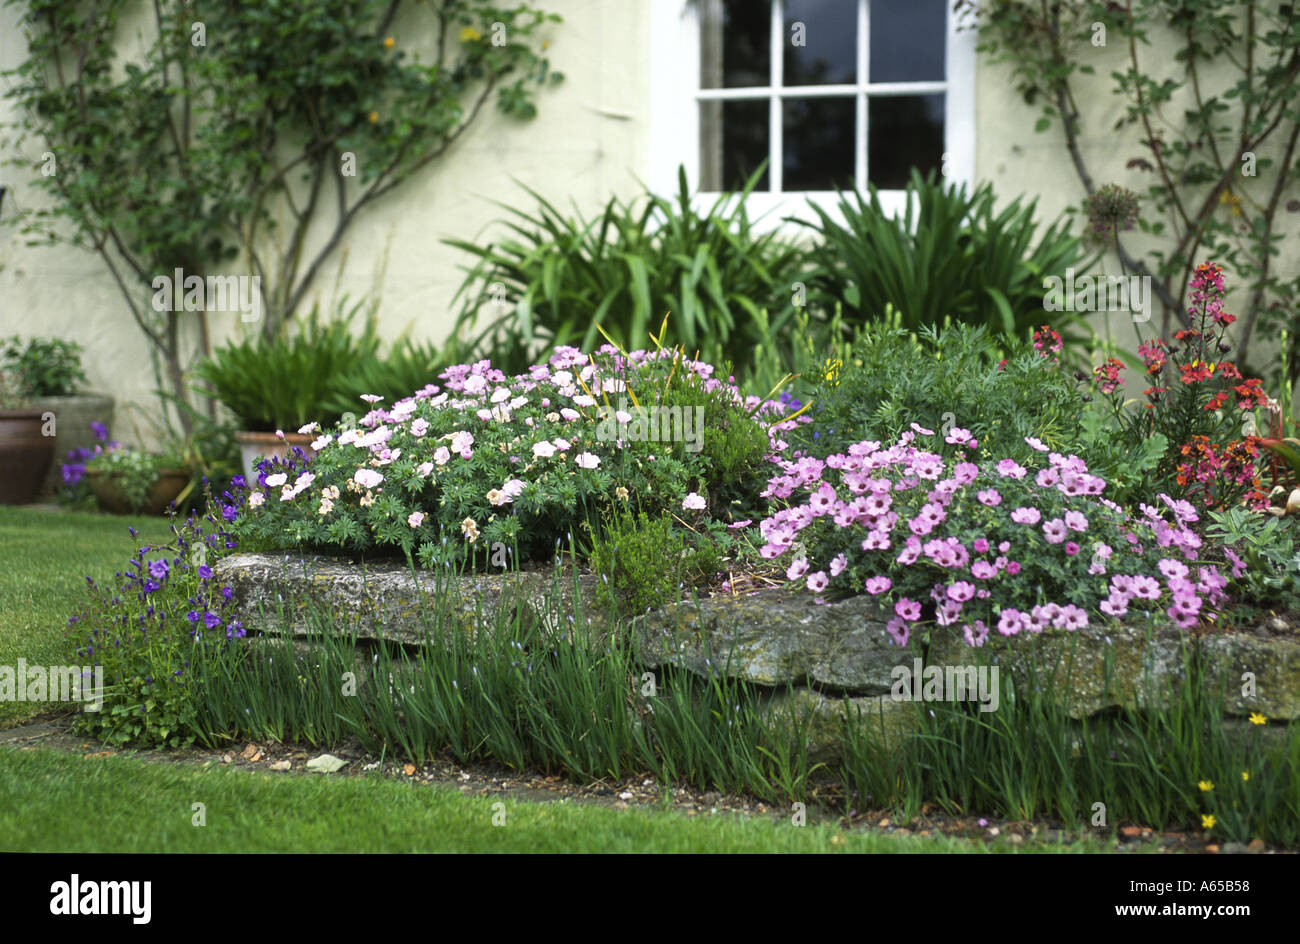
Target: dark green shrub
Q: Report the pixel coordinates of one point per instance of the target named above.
(43, 367)
(645, 559)
(1000, 389)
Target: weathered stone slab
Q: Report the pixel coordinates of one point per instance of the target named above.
(888, 722)
(388, 601)
(1127, 666)
(775, 637)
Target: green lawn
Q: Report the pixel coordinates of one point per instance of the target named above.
(44, 559)
(59, 802)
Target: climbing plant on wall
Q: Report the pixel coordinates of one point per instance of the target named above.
(217, 135)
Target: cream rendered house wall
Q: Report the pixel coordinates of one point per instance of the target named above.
(589, 141)
(592, 138)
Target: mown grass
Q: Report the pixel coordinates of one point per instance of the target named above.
(60, 802)
(44, 559)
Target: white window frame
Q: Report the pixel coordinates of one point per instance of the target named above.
(675, 94)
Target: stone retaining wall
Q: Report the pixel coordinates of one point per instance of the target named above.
(814, 658)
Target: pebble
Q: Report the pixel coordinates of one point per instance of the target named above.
(281, 765)
(326, 763)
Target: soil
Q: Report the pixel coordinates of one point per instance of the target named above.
(826, 803)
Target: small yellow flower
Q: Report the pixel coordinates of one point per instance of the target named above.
(469, 35)
(831, 371)
(1231, 199)
(1205, 786)
(389, 43)
(374, 116)
(1207, 821)
(1245, 775)
(621, 492)
(1257, 718)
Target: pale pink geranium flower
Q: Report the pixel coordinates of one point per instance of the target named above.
(543, 450)
(838, 564)
(371, 398)
(367, 478)
(585, 460)
(423, 469)
(320, 442)
(878, 585)
(442, 455)
(275, 481)
(797, 569)
(256, 499)
(415, 519)
(461, 443)
(1055, 531)
(976, 635)
(817, 582)
(419, 426)
(695, 502)
(908, 610)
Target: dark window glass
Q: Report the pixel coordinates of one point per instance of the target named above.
(903, 131)
(818, 140)
(734, 140)
(735, 43)
(821, 42)
(908, 40)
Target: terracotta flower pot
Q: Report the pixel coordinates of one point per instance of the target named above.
(162, 493)
(25, 455)
(256, 446)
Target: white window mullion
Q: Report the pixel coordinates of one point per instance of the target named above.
(774, 109)
(860, 99)
(776, 126)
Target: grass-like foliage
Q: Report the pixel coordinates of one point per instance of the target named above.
(554, 278)
(950, 255)
(1169, 763)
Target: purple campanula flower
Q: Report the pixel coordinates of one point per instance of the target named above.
(211, 620)
(99, 429)
(158, 569)
(205, 572)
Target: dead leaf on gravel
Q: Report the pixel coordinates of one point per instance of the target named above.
(409, 770)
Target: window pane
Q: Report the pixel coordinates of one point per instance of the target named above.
(734, 140)
(903, 131)
(735, 43)
(818, 138)
(908, 40)
(821, 42)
